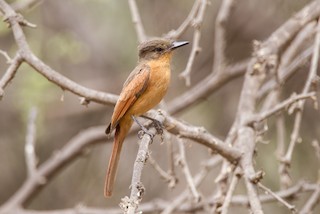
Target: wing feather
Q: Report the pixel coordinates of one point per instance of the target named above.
(134, 86)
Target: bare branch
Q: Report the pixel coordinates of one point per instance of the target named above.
(316, 145)
(287, 57)
(293, 191)
(220, 35)
(50, 167)
(136, 19)
(45, 70)
(69, 85)
(272, 63)
(170, 152)
(5, 54)
(233, 184)
(278, 198)
(130, 205)
(31, 158)
(195, 44)
(178, 201)
(137, 188)
(287, 72)
(206, 87)
(312, 202)
(281, 106)
(169, 178)
(186, 171)
(11, 71)
(26, 4)
(200, 135)
(298, 117)
(174, 34)
(265, 60)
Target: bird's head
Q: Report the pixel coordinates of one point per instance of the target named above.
(155, 48)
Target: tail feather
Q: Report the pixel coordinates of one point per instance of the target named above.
(120, 134)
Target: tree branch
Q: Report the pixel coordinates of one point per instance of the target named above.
(51, 166)
(174, 34)
(200, 135)
(196, 41)
(298, 117)
(11, 71)
(137, 21)
(186, 171)
(26, 54)
(31, 158)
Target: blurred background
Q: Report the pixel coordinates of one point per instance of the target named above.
(94, 44)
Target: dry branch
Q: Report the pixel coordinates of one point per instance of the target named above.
(27, 55)
(51, 166)
(278, 57)
(136, 19)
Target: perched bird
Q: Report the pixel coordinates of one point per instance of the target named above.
(145, 87)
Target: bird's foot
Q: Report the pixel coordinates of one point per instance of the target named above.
(143, 130)
(156, 124)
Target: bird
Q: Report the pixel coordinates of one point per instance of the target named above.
(144, 89)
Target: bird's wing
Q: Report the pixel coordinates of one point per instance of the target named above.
(134, 86)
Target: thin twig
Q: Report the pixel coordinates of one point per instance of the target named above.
(186, 171)
(277, 197)
(312, 202)
(287, 72)
(174, 34)
(158, 205)
(284, 180)
(27, 55)
(281, 106)
(220, 36)
(206, 87)
(195, 44)
(200, 135)
(168, 177)
(5, 54)
(316, 145)
(170, 159)
(264, 61)
(51, 166)
(222, 181)
(307, 86)
(197, 180)
(26, 4)
(233, 184)
(291, 192)
(295, 46)
(136, 19)
(194, 51)
(30, 155)
(10, 73)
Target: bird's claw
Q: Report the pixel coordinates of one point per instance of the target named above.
(143, 132)
(158, 126)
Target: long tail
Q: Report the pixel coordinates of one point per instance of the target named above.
(121, 131)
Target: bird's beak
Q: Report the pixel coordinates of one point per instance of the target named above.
(178, 44)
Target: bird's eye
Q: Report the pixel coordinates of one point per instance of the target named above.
(159, 49)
